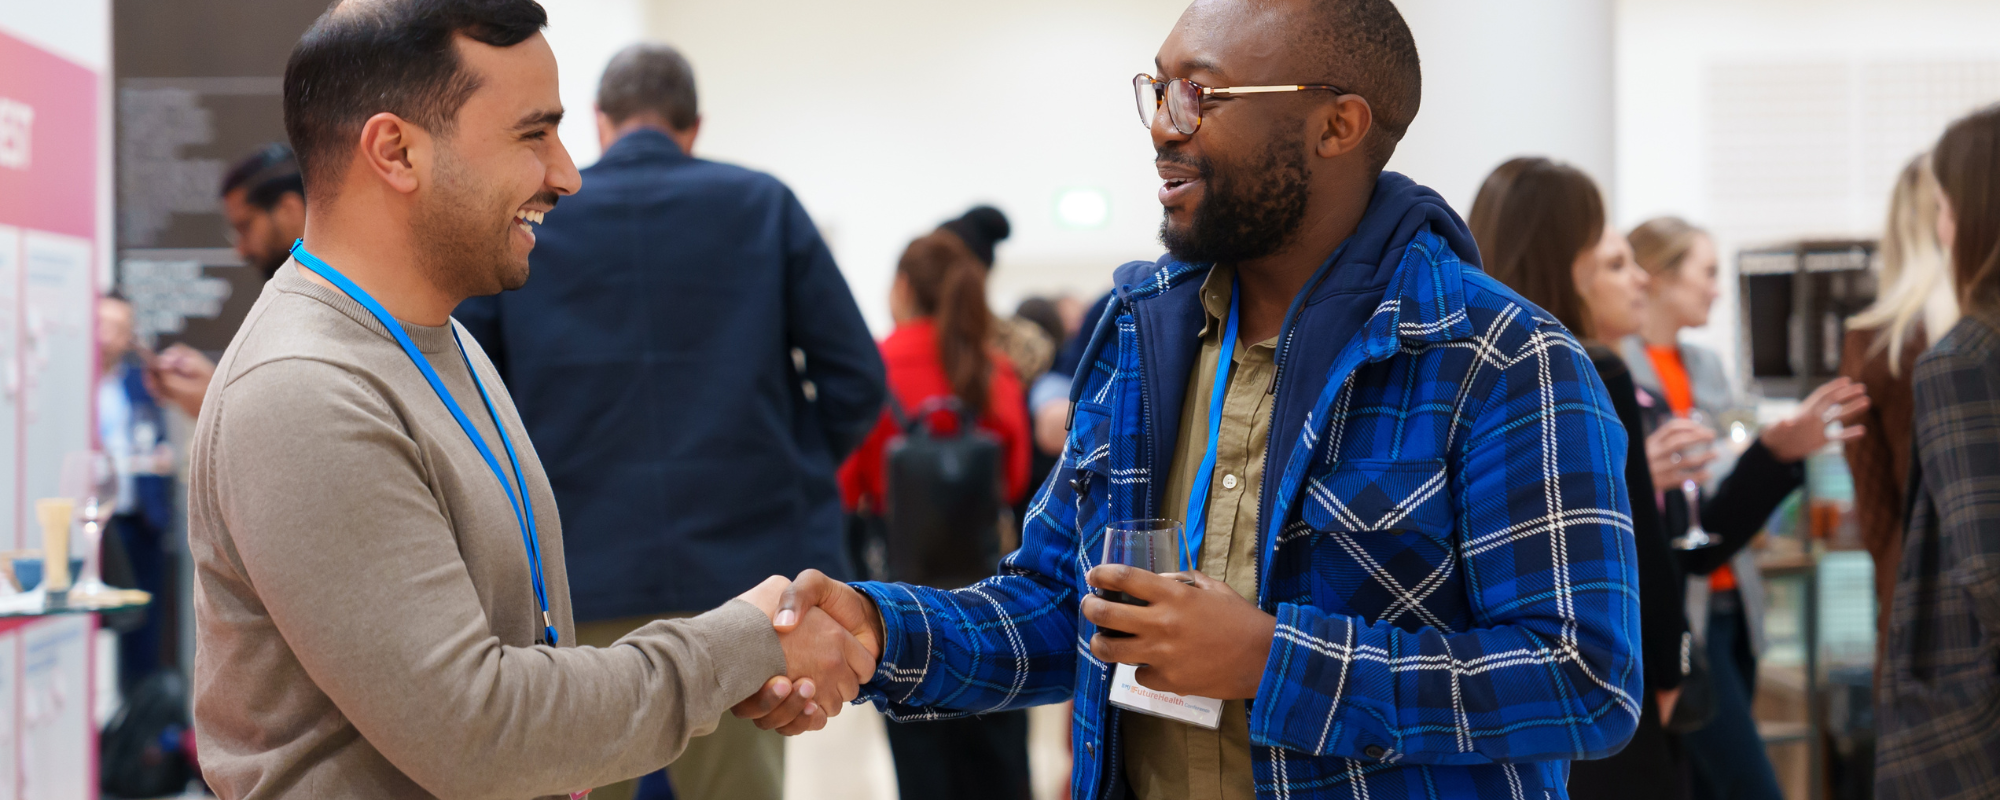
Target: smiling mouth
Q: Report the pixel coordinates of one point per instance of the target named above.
(1176, 183)
(524, 216)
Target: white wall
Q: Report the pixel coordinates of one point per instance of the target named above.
(1523, 77)
(585, 34)
(889, 116)
(1672, 53)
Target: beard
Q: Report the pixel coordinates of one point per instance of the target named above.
(273, 257)
(1244, 213)
(463, 234)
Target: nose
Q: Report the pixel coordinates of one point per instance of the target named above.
(562, 174)
(1163, 129)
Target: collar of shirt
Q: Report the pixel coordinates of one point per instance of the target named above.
(1215, 291)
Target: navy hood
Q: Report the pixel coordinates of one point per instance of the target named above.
(1399, 208)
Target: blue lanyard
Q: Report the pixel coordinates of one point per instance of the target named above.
(1197, 514)
(524, 510)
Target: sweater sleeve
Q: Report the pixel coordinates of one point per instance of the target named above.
(336, 529)
(1871, 459)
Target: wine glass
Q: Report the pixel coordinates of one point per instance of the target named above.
(1695, 538)
(91, 479)
(1153, 545)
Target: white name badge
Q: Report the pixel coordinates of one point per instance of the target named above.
(1128, 694)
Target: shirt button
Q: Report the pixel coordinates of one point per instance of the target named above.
(1228, 481)
(1375, 751)
(1090, 747)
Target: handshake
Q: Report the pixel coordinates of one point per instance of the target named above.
(831, 635)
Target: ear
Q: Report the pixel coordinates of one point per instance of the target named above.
(1343, 126)
(607, 131)
(686, 138)
(391, 149)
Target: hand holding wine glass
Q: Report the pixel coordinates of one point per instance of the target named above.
(1695, 538)
(1677, 452)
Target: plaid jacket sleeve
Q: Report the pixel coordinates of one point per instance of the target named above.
(1550, 668)
(1957, 424)
(1006, 642)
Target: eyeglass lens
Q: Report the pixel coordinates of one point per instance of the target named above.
(1181, 97)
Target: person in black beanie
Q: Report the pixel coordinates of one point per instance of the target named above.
(981, 228)
(1024, 343)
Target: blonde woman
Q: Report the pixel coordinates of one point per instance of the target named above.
(1915, 305)
(1725, 598)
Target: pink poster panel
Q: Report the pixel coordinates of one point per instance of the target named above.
(48, 141)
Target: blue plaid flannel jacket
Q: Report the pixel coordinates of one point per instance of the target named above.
(1448, 551)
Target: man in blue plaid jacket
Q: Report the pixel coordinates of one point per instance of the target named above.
(1436, 595)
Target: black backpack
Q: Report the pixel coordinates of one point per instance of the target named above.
(145, 748)
(942, 502)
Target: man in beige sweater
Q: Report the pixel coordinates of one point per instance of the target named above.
(374, 616)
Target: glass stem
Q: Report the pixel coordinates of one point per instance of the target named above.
(1692, 491)
(93, 554)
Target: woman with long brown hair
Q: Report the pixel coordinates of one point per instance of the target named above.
(1938, 730)
(1542, 230)
(941, 349)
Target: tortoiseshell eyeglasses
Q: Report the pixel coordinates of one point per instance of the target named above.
(1182, 97)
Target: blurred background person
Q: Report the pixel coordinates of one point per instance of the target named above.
(942, 348)
(693, 367)
(264, 200)
(138, 551)
(1939, 718)
(1048, 314)
(1725, 597)
(1915, 305)
(1542, 231)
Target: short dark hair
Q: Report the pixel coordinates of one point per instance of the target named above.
(1365, 47)
(266, 176)
(1532, 218)
(1967, 165)
(360, 59)
(649, 78)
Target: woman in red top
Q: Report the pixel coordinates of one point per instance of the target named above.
(940, 348)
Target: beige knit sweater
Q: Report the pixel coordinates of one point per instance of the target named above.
(364, 612)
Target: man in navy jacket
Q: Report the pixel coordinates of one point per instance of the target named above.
(694, 369)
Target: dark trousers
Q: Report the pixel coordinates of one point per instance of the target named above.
(1727, 754)
(972, 758)
(139, 646)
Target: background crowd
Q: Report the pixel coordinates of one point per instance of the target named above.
(730, 365)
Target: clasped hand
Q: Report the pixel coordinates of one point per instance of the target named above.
(831, 641)
(1195, 636)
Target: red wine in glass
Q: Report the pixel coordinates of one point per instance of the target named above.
(1153, 545)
